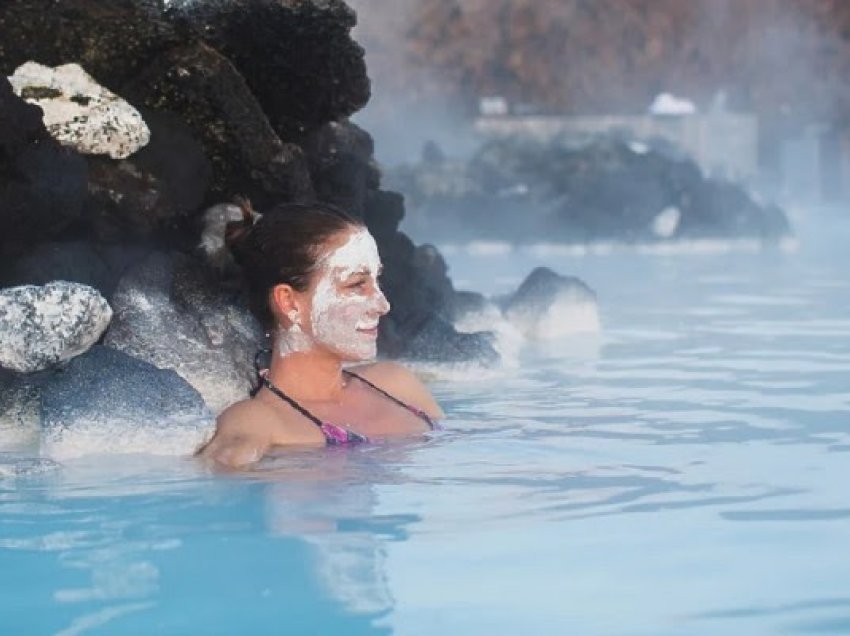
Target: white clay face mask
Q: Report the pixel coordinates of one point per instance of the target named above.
(346, 319)
(293, 339)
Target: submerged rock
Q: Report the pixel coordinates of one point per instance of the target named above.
(15, 465)
(438, 341)
(549, 305)
(108, 402)
(43, 326)
(80, 113)
(169, 314)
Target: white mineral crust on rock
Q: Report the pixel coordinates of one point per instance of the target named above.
(42, 326)
(79, 112)
(666, 222)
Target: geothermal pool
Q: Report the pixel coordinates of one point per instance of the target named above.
(682, 472)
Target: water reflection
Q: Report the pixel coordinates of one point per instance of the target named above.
(328, 499)
(142, 551)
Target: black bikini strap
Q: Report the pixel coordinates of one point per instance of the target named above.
(419, 413)
(283, 396)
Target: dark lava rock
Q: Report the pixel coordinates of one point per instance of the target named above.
(608, 189)
(297, 56)
(111, 39)
(97, 265)
(42, 185)
(20, 122)
(207, 93)
(438, 341)
(17, 465)
(421, 294)
(242, 97)
(383, 214)
(548, 305)
(175, 155)
(157, 190)
(341, 165)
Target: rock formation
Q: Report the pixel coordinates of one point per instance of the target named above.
(43, 326)
(607, 189)
(548, 305)
(228, 98)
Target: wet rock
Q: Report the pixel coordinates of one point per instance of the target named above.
(19, 412)
(74, 261)
(20, 122)
(383, 213)
(80, 261)
(168, 313)
(157, 191)
(42, 326)
(549, 305)
(343, 170)
(125, 202)
(203, 89)
(741, 216)
(419, 326)
(108, 402)
(177, 159)
(297, 56)
(80, 113)
(242, 97)
(438, 341)
(14, 465)
(435, 286)
(42, 185)
(467, 302)
(112, 39)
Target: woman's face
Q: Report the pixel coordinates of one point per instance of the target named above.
(345, 300)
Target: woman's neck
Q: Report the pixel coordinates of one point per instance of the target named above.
(311, 376)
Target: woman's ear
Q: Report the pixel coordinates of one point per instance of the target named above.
(285, 305)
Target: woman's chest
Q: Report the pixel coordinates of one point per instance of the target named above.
(372, 418)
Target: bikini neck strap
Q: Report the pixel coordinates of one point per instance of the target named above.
(264, 378)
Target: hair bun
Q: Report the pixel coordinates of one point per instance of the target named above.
(226, 227)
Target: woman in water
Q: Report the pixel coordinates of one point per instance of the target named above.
(312, 274)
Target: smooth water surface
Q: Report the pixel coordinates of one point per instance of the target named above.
(683, 472)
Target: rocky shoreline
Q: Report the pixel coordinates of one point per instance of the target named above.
(578, 190)
(121, 124)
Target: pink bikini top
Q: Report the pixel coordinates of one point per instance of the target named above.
(335, 434)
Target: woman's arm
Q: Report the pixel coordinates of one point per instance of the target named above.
(238, 440)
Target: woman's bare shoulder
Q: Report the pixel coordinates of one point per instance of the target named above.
(401, 383)
(246, 430)
(244, 416)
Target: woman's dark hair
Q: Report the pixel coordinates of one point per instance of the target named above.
(282, 247)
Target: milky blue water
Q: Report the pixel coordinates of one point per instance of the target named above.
(685, 471)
